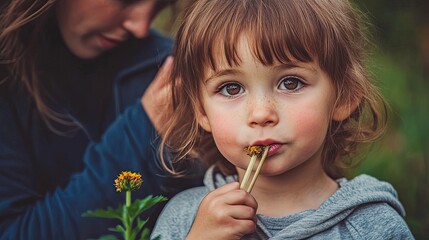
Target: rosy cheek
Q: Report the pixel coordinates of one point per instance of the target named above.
(222, 131)
(225, 131)
(311, 125)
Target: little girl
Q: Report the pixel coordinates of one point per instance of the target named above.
(289, 75)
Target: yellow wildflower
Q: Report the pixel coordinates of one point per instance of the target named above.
(128, 181)
(253, 150)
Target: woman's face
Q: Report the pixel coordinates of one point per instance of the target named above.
(91, 27)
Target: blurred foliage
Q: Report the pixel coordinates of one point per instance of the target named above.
(399, 62)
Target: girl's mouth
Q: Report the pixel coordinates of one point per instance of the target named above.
(274, 148)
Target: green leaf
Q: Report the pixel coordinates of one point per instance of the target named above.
(118, 228)
(146, 234)
(103, 213)
(140, 224)
(141, 205)
(138, 229)
(127, 216)
(133, 234)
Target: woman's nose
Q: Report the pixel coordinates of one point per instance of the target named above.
(138, 18)
(262, 112)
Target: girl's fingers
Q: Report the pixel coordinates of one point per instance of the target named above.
(240, 197)
(241, 212)
(229, 210)
(231, 194)
(225, 189)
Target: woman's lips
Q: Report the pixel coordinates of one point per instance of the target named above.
(106, 42)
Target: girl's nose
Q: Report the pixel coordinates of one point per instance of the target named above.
(138, 18)
(262, 112)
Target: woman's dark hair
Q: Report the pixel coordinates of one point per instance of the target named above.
(22, 23)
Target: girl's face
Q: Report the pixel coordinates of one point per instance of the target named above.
(285, 106)
(90, 27)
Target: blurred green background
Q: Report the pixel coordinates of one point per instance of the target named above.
(399, 61)
(400, 64)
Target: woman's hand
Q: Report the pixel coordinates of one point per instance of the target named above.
(155, 100)
(225, 213)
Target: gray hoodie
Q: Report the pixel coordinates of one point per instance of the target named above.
(362, 208)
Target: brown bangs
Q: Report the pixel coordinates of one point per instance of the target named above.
(274, 36)
(279, 31)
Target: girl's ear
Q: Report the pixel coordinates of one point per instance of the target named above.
(202, 119)
(343, 111)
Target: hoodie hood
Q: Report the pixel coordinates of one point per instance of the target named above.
(362, 190)
(352, 194)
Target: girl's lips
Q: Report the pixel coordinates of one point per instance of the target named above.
(274, 148)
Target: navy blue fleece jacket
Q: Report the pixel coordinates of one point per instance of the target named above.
(47, 180)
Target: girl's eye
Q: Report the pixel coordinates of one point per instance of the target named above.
(291, 84)
(231, 89)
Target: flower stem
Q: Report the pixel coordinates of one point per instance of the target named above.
(128, 224)
(128, 198)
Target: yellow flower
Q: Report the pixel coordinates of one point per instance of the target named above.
(128, 181)
(253, 150)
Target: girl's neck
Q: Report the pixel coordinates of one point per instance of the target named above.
(305, 187)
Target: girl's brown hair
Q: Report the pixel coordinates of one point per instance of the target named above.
(329, 32)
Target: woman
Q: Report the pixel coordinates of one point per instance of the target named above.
(72, 115)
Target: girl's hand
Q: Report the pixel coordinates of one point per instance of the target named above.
(225, 213)
(157, 96)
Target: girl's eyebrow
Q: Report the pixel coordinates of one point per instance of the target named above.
(292, 65)
(285, 65)
(222, 73)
